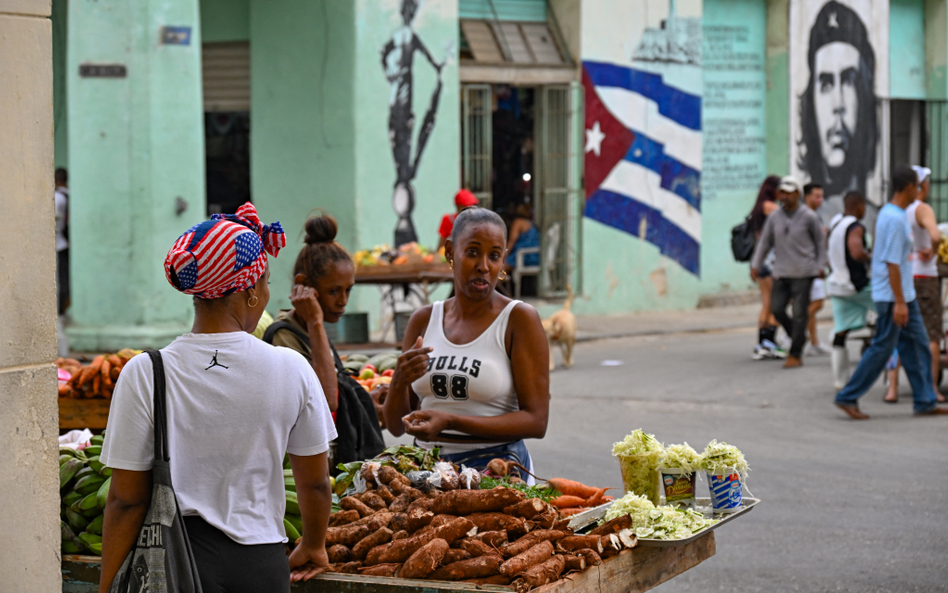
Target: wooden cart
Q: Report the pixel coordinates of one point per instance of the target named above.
(418, 279)
(639, 569)
(83, 413)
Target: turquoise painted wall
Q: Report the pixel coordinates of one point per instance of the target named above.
(225, 20)
(303, 143)
(60, 20)
(907, 76)
(136, 144)
(778, 87)
(936, 48)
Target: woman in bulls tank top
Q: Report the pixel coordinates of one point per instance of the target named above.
(473, 378)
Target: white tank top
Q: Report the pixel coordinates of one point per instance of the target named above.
(921, 240)
(472, 379)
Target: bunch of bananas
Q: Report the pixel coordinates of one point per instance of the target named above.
(84, 489)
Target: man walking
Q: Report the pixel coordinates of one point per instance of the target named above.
(799, 242)
(813, 198)
(899, 322)
(848, 282)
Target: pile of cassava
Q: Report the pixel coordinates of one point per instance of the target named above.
(495, 536)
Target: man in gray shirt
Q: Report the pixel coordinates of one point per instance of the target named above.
(796, 235)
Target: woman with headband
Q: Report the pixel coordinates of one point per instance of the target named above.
(235, 407)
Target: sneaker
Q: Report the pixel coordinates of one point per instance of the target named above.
(761, 352)
(779, 353)
(818, 350)
(784, 342)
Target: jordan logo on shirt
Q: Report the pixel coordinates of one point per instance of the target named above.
(214, 363)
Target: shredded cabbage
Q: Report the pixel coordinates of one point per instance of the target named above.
(664, 522)
(640, 456)
(717, 457)
(682, 457)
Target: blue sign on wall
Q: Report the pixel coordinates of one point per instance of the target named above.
(176, 35)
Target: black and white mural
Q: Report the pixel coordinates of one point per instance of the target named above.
(838, 70)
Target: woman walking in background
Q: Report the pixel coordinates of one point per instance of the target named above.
(766, 324)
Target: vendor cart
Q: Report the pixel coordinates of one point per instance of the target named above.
(417, 280)
(91, 413)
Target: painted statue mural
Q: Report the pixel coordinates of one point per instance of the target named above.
(643, 127)
(398, 62)
(837, 75)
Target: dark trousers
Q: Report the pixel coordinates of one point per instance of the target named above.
(797, 289)
(228, 567)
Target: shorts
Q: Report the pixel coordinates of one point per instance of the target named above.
(224, 565)
(766, 268)
(818, 290)
(849, 312)
(928, 293)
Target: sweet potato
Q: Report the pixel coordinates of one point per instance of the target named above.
(421, 503)
(545, 572)
(568, 502)
(350, 503)
(387, 474)
(497, 579)
(476, 547)
(531, 539)
(561, 525)
(592, 558)
(425, 560)
(401, 550)
(404, 487)
(519, 564)
(376, 538)
(611, 545)
(572, 488)
(628, 538)
(526, 509)
(380, 570)
(494, 539)
(373, 501)
(572, 543)
(577, 562)
(338, 554)
(440, 520)
(399, 535)
(400, 503)
(399, 522)
(343, 518)
(466, 502)
(347, 535)
(455, 555)
(546, 519)
(473, 568)
(385, 494)
(419, 517)
(497, 522)
(613, 525)
(346, 568)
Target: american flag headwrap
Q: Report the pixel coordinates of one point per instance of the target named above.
(223, 255)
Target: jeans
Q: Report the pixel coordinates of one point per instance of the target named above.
(912, 342)
(797, 289)
(478, 459)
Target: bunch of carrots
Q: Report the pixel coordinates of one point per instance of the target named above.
(95, 380)
(576, 497)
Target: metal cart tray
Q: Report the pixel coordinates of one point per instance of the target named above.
(585, 520)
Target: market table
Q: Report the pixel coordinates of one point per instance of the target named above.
(639, 569)
(91, 413)
(419, 279)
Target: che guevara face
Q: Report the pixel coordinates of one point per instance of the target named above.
(836, 99)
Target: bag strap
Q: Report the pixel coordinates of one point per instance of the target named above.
(276, 326)
(160, 411)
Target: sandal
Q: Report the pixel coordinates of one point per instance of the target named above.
(886, 399)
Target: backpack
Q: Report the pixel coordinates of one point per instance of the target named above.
(357, 424)
(743, 241)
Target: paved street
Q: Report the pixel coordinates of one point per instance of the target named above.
(847, 506)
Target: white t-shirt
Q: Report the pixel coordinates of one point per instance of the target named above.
(61, 199)
(235, 405)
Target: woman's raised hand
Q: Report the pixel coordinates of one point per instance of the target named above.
(426, 425)
(412, 364)
(303, 299)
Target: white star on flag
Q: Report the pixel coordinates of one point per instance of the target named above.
(594, 138)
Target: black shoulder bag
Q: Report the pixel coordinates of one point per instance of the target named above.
(357, 424)
(742, 241)
(161, 560)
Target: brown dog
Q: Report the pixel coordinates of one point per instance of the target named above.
(560, 329)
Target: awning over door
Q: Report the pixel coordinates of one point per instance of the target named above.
(226, 76)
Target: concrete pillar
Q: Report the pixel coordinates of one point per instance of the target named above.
(29, 526)
(136, 152)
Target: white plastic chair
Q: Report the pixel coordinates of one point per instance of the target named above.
(521, 269)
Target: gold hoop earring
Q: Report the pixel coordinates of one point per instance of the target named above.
(503, 275)
(252, 301)
(451, 264)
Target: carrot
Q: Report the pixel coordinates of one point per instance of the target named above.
(572, 511)
(597, 498)
(114, 373)
(572, 488)
(105, 371)
(568, 501)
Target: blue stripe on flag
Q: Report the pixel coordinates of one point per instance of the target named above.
(676, 176)
(673, 103)
(626, 214)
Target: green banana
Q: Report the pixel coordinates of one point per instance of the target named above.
(102, 496)
(68, 471)
(76, 521)
(95, 464)
(98, 439)
(93, 450)
(287, 473)
(96, 549)
(289, 484)
(64, 458)
(357, 358)
(291, 531)
(106, 472)
(71, 547)
(89, 484)
(292, 503)
(388, 365)
(95, 526)
(68, 451)
(85, 471)
(72, 498)
(67, 533)
(88, 539)
(296, 521)
(87, 504)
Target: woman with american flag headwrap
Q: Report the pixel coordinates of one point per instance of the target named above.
(235, 407)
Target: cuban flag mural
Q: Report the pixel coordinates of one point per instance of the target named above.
(643, 138)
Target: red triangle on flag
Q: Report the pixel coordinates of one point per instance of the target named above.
(607, 139)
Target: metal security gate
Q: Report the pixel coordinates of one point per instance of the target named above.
(916, 133)
(936, 156)
(559, 194)
(477, 140)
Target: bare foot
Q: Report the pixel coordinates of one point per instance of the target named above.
(939, 397)
(852, 411)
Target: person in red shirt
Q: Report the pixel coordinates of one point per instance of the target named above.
(463, 199)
